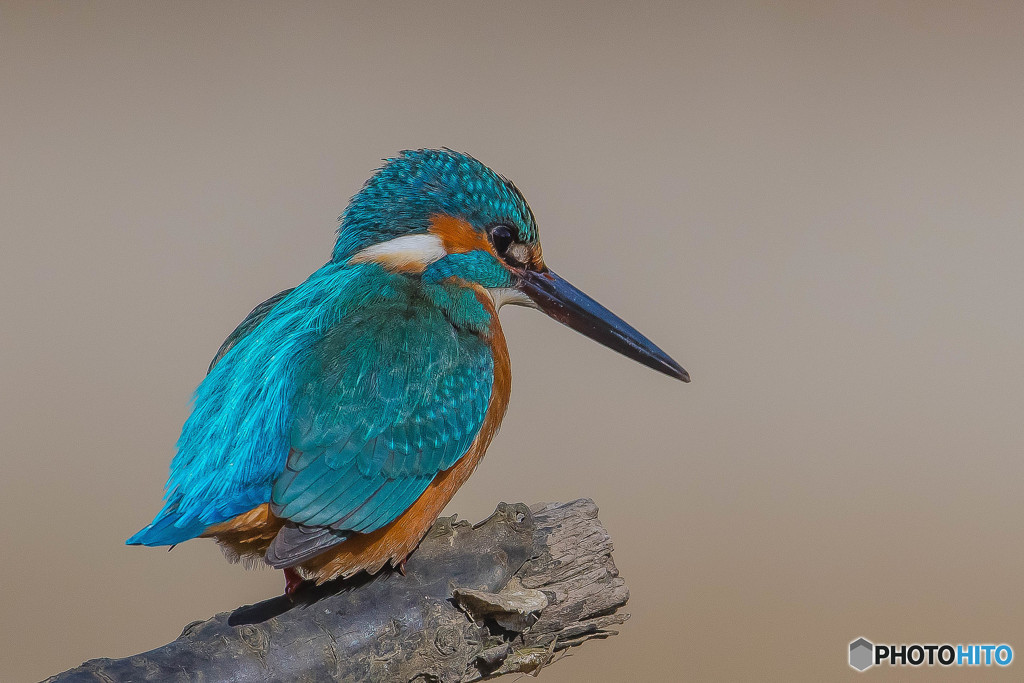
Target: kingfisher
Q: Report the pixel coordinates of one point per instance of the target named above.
(340, 417)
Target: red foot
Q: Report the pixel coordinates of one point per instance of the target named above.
(401, 566)
(292, 582)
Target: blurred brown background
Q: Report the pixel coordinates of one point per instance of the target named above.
(816, 209)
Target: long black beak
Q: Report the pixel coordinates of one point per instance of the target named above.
(573, 308)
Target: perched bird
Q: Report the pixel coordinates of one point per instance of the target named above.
(340, 417)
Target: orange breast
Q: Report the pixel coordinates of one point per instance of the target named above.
(249, 534)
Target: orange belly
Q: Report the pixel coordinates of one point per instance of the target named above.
(248, 535)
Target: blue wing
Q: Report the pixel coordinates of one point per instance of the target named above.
(390, 400)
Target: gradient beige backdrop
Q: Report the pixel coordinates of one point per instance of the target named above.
(817, 209)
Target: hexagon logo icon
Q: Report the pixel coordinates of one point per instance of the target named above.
(861, 654)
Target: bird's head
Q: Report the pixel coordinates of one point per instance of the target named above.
(444, 215)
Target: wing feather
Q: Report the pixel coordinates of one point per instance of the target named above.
(405, 394)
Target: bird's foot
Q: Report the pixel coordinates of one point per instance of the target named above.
(292, 582)
(401, 566)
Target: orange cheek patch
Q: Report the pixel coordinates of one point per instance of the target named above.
(457, 235)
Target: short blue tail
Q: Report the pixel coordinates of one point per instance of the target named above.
(167, 529)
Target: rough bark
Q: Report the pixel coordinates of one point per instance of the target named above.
(503, 596)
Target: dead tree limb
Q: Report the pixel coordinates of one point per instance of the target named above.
(476, 602)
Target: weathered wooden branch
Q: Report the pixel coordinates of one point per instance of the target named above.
(503, 596)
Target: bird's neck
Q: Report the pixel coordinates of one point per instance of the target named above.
(466, 306)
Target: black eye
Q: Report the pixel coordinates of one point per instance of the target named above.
(501, 238)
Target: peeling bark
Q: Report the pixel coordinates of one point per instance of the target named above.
(476, 602)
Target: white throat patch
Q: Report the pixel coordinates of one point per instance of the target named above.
(509, 295)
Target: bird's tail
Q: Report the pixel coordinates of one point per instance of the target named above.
(168, 528)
